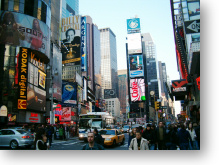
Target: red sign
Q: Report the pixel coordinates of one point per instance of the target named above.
(66, 114)
(198, 82)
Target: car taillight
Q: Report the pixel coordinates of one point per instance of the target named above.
(25, 137)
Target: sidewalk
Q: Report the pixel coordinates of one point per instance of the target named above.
(58, 141)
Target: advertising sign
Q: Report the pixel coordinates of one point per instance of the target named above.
(192, 26)
(134, 43)
(136, 68)
(109, 93)
(133, 25)
(137, 90)
(71, 40)
(33, 117)
(85, 89)
(193, 9)
(12, 117)
(57, 79)
(83, 45)
(79, 93)
(66, 114)
(69, 92)
(179, 87)
(3, 111)
(22, 30)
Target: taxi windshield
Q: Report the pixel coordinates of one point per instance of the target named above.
(107, 132)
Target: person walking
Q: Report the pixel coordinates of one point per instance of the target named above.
(161, 136)
(41, 140)
(171, 138)
(132, 135)
(197, 131)
(61, 132)
(49, 133)
(98, 138)
(148, 134)
(184, 138)
(139, 143)
(193, 145)
(92, 145)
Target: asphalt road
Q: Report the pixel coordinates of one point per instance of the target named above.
(74, 144)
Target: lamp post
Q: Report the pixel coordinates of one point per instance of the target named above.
(51, 91)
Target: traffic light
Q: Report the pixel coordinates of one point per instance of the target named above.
(157, 105)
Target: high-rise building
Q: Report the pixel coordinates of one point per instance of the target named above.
(122, 89)
(70, 8)
(113, 106)
(151, 64)
(109, 77)
(163, 78)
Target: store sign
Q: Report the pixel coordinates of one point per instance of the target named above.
(137, 90)
(33, 117)
(179, 87)
(22, 79)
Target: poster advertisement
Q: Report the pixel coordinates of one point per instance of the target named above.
(66, 114)
(33, 117)
(136, 68)
(42, 79)
(134, 43)
(69, 92)
(133, 25)
(137, 90)
(71, 40)
(22, 30)
(194, 10)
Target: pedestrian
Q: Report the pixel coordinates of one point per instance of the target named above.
(49, 133)
(193, 145)
(92, 145)
(160, 136)
(197, 131)
(41, 140)
(148, 134)
(171, 138)
(98, 138)
(139, 143)
(184, 137)
(132, 135)
(61, 132)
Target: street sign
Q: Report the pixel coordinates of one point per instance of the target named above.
(163, 107)
(192, 26)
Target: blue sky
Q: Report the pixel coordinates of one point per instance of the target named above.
(155, 18)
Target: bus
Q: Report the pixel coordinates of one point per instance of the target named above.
(91, 120)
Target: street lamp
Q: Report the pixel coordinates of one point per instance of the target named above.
(51, 90)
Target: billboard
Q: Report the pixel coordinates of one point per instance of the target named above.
(71, 40)
(22, 30)
(83, 44)
(66, 114)
(31, 79)
(134, 43)
(109, 93)
(57, 79)
(179, 89)
(133, 25)
(33, 117)
(193, 9)
(69, 92)
(85, 89)
(137, 90)
(136, 68)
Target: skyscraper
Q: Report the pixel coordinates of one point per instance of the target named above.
(109, 78)
(150, 52)
(70, 8)
(163, 78)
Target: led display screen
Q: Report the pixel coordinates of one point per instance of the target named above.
(137, 90)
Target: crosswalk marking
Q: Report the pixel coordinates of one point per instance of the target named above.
(70, 143)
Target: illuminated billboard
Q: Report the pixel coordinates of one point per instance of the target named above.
(66, 114)
(137, 90)
(134, 43)
(69, 93)
(193, 9)
(136, 68)
(22, 30)
(31, 79)
(71, 40)
(133, 25)
(83, 44)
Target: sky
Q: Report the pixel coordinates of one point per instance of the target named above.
(155, 18)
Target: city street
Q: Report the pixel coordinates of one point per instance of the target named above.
(75, 144)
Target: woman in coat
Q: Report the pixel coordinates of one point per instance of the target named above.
(138, 143)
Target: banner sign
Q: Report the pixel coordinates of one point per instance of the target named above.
(83, 44)
(137, 90)
(69, 92)
(22, 30)
(136, 68)
(66, 114)
(71, 40)
(133, 25)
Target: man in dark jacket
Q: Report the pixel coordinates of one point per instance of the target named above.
(98, 138)
(149, 135)
(91, 143)
(184, 137)
(161, 136)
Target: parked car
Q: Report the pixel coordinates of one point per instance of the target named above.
(112, 137)
(15, 138)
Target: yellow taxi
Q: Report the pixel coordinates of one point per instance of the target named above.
(112, 137)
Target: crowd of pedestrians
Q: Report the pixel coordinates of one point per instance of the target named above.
(181, 136)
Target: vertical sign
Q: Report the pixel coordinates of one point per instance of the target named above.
(83, 45)
(22, 78)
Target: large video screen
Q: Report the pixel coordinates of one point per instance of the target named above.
(137, 90)
(136, 68)
(134, 43)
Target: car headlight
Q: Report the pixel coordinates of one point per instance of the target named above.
(108, 139)
(81, 135)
